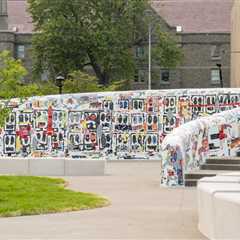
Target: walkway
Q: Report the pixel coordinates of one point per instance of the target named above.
(140, 209)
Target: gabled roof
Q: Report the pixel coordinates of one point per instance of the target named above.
(196, 16)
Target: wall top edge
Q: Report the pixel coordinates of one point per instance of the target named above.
(144, 91)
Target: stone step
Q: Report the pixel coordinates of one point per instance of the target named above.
(191, 178)
(224, 158)
(232, 161)
(191, 183)
(227, 167)
(222, 161)
(197, 176)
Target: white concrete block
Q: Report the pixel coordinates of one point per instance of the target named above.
(52, 167)
(231, 174)
(221, 179)
(46, 166)
(16, 166)
(227, 215)
(84, 167)
(207, 190)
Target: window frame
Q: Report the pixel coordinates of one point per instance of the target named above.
(139, 51)
(140, 76)
(215, 81)
(21, 51)
(162, 72)
(216, 52)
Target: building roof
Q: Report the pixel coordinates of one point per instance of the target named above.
(194, 16)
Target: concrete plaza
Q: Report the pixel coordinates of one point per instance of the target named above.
(140, 209)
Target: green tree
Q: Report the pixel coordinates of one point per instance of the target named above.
(11, 74)
(77, 82)
(74, 34)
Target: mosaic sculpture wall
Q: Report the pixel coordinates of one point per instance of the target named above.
(116, 125)
(189, 145)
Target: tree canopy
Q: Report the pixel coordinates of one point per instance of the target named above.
(74, 34)
(12, 73)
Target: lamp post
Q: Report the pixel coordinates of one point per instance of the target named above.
(149, 56)
(219, 65)
(148, 13)
(59, 82)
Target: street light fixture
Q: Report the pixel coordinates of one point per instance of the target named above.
(219, 65)
(59, 82)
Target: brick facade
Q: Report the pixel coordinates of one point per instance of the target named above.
(201, 50)
(195, 69)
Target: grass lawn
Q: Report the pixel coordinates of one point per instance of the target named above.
(20, 195)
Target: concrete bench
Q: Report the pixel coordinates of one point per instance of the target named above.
(227, 215)
(232, 174)
(52, 166)
(214, 203)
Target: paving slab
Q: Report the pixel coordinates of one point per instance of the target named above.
(140, 209)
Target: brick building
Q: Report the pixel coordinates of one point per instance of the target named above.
(202, 30)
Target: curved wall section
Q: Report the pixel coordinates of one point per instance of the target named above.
(189, 145)
(116, 125)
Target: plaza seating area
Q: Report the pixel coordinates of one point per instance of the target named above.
(183, 129)
(219, 206)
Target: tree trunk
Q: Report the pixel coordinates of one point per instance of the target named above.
(106, 77)
(102, 75)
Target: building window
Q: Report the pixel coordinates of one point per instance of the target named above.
(136, 76)
(45, 75)
(164, 76)
(21, 51)
(215, 76)
(139, 76)
(3, 7)
(216, 52)
(139, 52)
